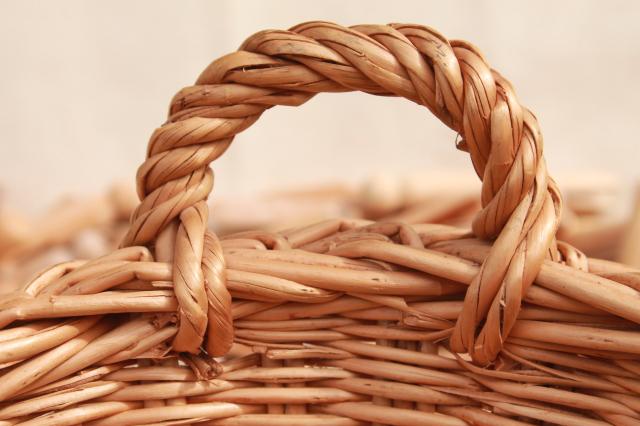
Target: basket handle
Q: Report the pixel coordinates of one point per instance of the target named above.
(521, 205)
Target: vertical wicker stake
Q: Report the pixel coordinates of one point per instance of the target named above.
(500, 326)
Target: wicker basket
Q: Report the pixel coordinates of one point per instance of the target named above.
(344, 322)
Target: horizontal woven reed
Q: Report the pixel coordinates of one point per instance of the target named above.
(343, 322)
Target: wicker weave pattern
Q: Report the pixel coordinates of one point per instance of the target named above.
(518, 331)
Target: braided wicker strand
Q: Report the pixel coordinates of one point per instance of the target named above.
(520, 204)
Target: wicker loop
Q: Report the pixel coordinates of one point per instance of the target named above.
(520, 203)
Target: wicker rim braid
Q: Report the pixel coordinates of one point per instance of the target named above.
(452, 79)
(343, 322)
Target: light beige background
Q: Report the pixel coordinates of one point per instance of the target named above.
(83, 84)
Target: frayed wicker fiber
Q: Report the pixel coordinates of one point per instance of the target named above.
(345, 322)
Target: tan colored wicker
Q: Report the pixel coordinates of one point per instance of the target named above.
(345, 322)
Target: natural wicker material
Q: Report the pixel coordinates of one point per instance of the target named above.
(520, 330)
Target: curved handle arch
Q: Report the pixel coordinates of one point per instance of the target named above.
(521, 204)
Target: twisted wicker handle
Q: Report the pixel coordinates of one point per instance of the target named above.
(521, 205)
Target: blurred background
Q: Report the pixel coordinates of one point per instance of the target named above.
(84, 83)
